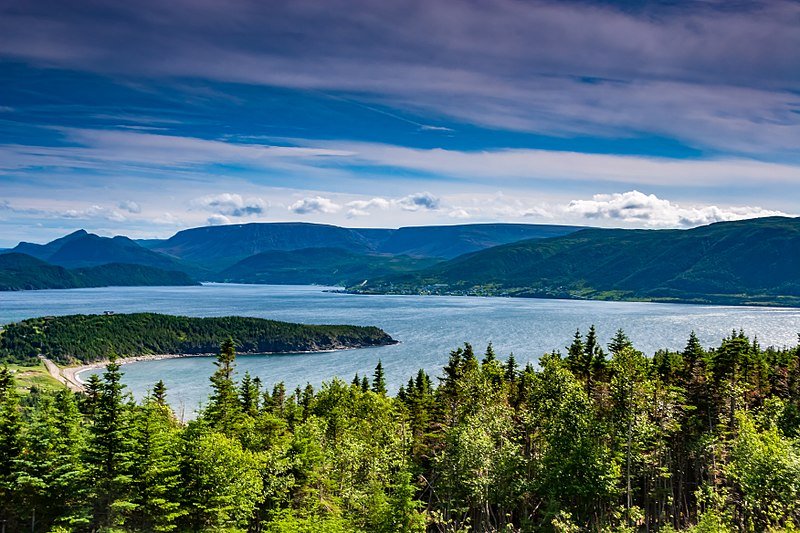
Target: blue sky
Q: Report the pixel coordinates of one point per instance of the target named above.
(144, 118)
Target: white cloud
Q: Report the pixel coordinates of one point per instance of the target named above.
(459, 213)
(379, 203)
(94, 211)
(218, 220)
(354, 213)
(412, 202)
(130, 206)
(652, 211)
(419, 200)
(233, 205)
(316, 204)
(167, 219)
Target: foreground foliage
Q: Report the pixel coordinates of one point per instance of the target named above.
(702, 440)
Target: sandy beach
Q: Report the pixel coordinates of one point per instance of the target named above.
(70, 373)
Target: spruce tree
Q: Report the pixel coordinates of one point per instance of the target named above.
(160, 393)
(379, 380)
(306, 400)
(69, 485)
(279, 397)
(224, 411)
(10, 442)
(249, 394)
(619, 342)
(92, 389)
(155, 473)
(109, 453)
(489, 356)
(511, 368)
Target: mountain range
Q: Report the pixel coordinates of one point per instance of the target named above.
(752, 261)
(272, 252)
(218, 247)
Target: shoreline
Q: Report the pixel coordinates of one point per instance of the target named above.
(70, 373)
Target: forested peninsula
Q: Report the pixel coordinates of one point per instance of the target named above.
(604, 440)
(87, 338)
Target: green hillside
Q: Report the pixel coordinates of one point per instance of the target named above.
(83, 338)
(219, 247)
(753, 261)
(23, 272)
(326, 266)
(81, 249)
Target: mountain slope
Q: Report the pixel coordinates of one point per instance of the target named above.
(326, 266)
(23, 272)
(45, 251)
(82, 249)
(447, 242)
(219, 247)
(755, 261)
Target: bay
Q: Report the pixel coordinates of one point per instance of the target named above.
(428, 327)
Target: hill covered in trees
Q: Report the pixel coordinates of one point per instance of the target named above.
(702, 440)
(751, 261)
(82, 249)
(284, 252)
(86, 338)
(325, 266)
(221, 246)
(23, 272)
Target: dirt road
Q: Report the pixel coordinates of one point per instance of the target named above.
(65, 377)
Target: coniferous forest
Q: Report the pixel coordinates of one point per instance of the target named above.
(594, 439)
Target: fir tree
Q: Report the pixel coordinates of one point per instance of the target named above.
(109, 453)
(10, 442)
(511, 368)
(154, 475)
(619, 342)
(224, 409)
(160, 393)
(379, 380)
(249, 394)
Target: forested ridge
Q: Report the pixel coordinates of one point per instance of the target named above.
(85, 338)
(708, 264)
(589, 440)
(22, 272)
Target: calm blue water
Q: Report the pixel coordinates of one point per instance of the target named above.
(428, 328)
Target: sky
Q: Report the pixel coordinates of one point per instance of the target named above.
(144, 118)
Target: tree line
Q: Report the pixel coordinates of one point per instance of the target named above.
(85, 338)
(592, 439)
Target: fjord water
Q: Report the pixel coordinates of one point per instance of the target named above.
(428, 327)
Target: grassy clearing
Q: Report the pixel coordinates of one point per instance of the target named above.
(33, 376)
